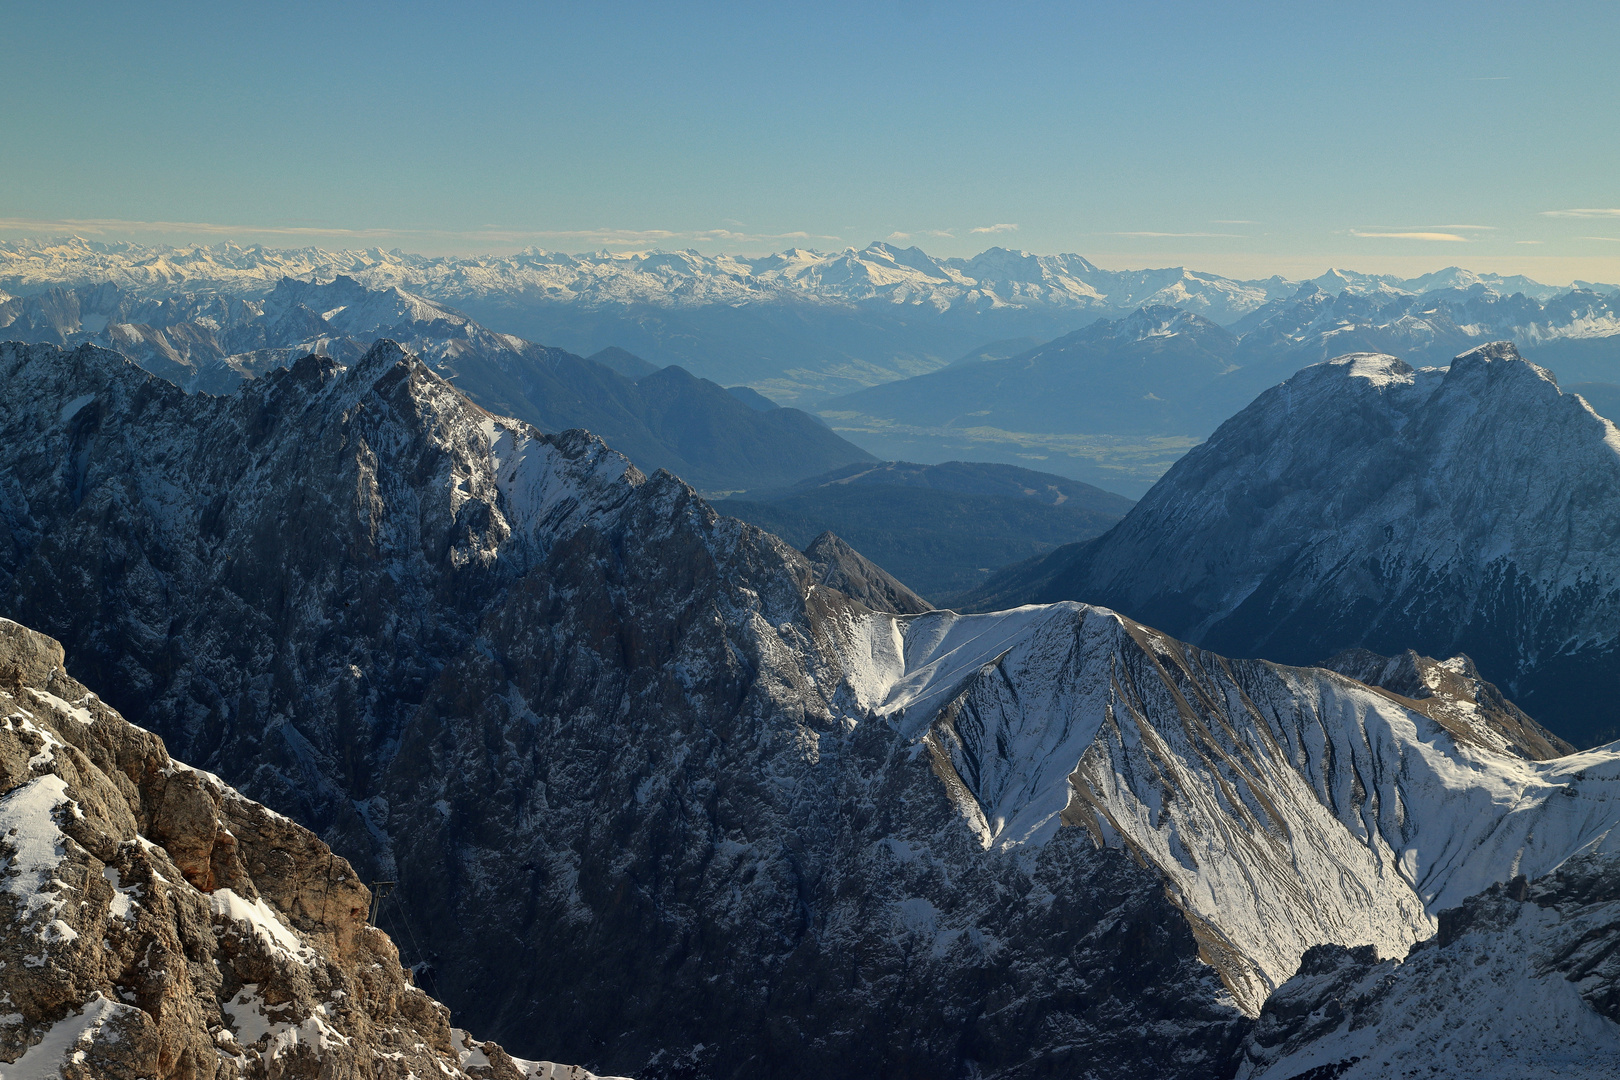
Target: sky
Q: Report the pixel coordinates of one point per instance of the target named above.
(1240, 138)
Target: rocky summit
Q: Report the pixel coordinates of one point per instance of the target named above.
(156, 924)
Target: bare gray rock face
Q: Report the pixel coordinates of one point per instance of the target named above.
(156, 924)
(624, 761)
(1365, 503)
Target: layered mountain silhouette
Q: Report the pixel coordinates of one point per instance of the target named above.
(804, 325)
(942, 529)
(661, 418)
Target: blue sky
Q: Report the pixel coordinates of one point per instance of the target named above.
(1240, 138)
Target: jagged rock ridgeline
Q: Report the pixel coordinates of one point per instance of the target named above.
(659, 418)
(1473, 509)
(599, 734)
(156, 924)
(619, 750)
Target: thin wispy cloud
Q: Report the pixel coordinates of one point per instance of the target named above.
(1002, 228)
(1451, 238)
(487, 234)
(1527, 241)
(1176, 235)
(1588, 213)
(943, 234)
(1610, 239)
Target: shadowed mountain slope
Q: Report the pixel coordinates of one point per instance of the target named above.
(1366, 503)
(941, 528)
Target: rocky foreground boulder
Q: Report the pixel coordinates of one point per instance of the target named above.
(156, 924)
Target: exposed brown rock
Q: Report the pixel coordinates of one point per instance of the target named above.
(156, 924)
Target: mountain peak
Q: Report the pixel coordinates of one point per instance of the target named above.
(839, 566)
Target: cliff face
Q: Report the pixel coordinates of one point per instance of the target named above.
(155, 923)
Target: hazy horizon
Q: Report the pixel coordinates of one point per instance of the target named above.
(1239, 267)
(1244, 140)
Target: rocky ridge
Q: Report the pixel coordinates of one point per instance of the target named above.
(1452, 693)
(212, 342)
(619, 750)
(839, 566)
(155, 924)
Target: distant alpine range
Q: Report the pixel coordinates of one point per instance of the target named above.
(991, 358)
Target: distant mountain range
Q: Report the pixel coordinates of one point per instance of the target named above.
(942, 529)
(660, 418)
(1365, 502)
(798, 325)
(1116, 401)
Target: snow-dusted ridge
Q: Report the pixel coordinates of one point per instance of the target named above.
(1285, 807)
(996, 277)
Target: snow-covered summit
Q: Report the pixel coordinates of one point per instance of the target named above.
(1468, 509)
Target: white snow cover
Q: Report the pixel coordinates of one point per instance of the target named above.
(1285, 807)
(261, 920)
(66, 1042)
(28, 828)
(1488, 1006)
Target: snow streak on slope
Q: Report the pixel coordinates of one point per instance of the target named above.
(1285, 807)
